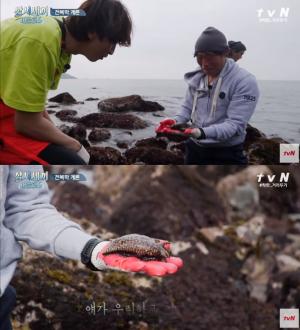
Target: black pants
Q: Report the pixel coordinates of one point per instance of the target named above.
(7, 304)
(58, 155)
(198, 155)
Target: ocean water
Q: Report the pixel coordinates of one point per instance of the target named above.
(277, 113)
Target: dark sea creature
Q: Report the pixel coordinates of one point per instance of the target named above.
(140, 246)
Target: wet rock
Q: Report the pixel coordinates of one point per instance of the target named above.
(52, 106)
(250, 232)
(111, 120)
(67, 115)
(99, 134)
(50, 112)
(210, 234)
(152, 156)
(178, 148)
(265, 151)
(167, 202)
(122, 145)
(78, 201)
(111, 179)
(277, 230)
(77, 132)
(287, 263)
(157, 115)
(294, 217)
(92, 99)
(64, 98)
(244, 200)
(129, 103)
(260, 149)
(253, 134)
(173, 137)
(290, 291)
(258, 272)
(152, 143)
(65, 128)
(240, 192)
(105, 156)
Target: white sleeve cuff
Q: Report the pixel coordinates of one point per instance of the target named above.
(97, 262)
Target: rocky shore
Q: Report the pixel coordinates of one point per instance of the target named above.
(240, 243)
(152, 150)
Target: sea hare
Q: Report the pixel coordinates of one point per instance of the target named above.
(140, 246)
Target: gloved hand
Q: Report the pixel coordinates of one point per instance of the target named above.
(181, 127)
(168, 122)
(195, 132)
(82, 153)
(165, 125)
(132, 264)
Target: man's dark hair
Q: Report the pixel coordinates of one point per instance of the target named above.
(110, 19)
(236, 46)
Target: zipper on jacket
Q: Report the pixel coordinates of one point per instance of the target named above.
(208, 101)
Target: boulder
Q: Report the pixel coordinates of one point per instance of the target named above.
(112, 120)
(105, 156)
(122, 145)
(77, 132)
(129, 103)
(171, 202)
(52, 106)
(99, 134)
(152, 143)
(92, 99)
(67, 115)
(64, 98)
(50, 112)
(260, 149)
(152, 156)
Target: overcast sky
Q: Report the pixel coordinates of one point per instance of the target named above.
(165, 32)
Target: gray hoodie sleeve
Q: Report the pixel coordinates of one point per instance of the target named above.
(32, 219)
(186, 108)
(238, 113)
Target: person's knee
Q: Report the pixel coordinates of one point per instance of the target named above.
(59, 155)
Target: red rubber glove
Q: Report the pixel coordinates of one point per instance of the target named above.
(168, 122)
(133, 264)
(165, 124)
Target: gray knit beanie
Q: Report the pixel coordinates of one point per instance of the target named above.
(211, 41)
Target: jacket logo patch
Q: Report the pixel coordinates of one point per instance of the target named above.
(249, 98)
(222, 95)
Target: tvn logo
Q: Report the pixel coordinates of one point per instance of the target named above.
(289, 318)
(273, 15)
(289, 153)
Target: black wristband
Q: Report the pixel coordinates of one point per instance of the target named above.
(86, 253)
(202, 136)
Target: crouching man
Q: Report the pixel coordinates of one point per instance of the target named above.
(220, 100)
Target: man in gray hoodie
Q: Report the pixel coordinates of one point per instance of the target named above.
(27, 215)
(220, 100)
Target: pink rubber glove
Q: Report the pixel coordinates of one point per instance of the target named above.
(133, 264)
